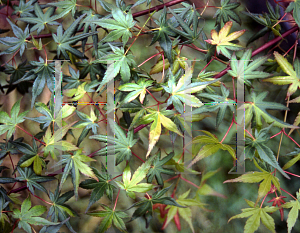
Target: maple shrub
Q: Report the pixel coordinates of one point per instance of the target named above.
(149, 145)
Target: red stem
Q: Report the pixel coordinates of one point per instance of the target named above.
(116, 200)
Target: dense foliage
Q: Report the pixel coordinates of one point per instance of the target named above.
(160, 137)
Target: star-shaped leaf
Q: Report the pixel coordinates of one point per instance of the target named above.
(110, 216)
(9, 148)
(30, 156)
(182, 90)
(162, 34)
(256, 215)
(53, 142)
(146, 205)
(157, 169)
(65, 39)
(76, 163)
(87, 122)
(185, 213)
(11, 122)
(60, 211)
(257, 109)
(121, 25)
(42, 19)
(222, 39)
(212, 145)
(190, 35)
(264, 152)
(137, 89)
(32, 180)
(48, 117)
(293, 77)
(226, 11)
(29, 215)
(15, 43)
(93, 68)
(158, 118)
(132, 184)
(244, 70)
(99, 187)
(221, 102)
(121, 64)
(67, 6)
(122, 144)
(24, 8)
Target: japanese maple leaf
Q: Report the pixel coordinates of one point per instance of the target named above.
(29, 215)
(222, 39)
(158, 118)
(278, 201)
(293, 77)
(257, 214)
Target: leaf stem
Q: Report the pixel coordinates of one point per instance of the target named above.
(31, 135)
(116, 200)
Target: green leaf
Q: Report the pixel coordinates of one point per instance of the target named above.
(181, 92)
(257, 108)
(146, 205)
(244, 70)
(10, 123)
(65, 39)
(294, 212)
(157, 169)
(295, 7)
(87, 122)
(162, 35)
(293, 77)
(223, 102)
(67, 6)
(122, 144)
(257, 214)
(32, 180)
(15, 43)
(158, 118)
(28, 215)
(24, 8)
(138, 89)
(121, 25)
(212, 145)
(121, 64)
(110, 217)
(99, 187)
(255, 177)
(226, 11)
(42, 18)
(60, 211)
(76, 163)
(53, 142)
(132, 184)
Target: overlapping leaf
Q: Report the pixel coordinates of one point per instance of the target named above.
(76, 163)
(15, 43)
(99, 187)
(257, 109)
(122, 144)
(226, 11)
(24, 8)
(295, 7)
(293, 77)
(257, 214)
(9, 123)
(222, 39)
(32, 180)
(244, 70)
(120, 25)
(221, 102)
(110, 216)
(181, 91)
(42, 19)
(67, 6)
(158, 118)
(65, 39)
(132, 184)
(29, 215)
